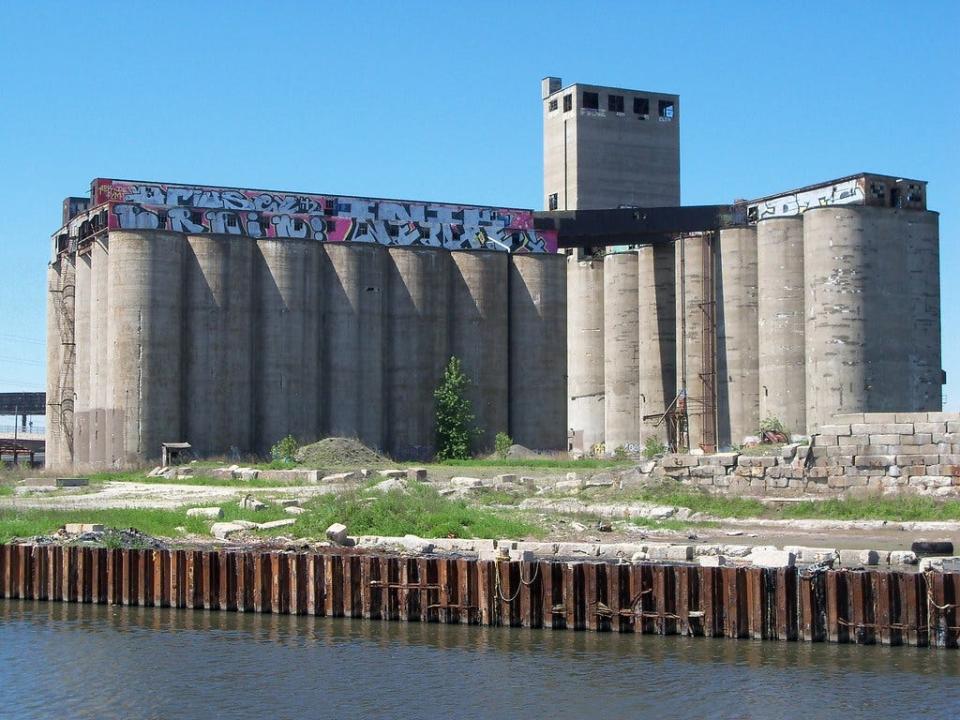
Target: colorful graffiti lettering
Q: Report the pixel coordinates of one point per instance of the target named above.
(267, 214)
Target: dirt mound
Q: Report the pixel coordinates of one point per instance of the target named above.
(337, 451)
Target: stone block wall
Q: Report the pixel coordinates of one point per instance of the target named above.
(879, 452)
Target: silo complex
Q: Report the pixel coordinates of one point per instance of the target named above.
(696, 319)
(736, 335)
(620, 351)
(780, 289)
(871, 277)
(585, 356)
(81, 413)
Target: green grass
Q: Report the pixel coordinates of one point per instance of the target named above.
(140, 476)
(539, 463)
(900, 509)
(702, 502)
(671, 524)
(420, 511)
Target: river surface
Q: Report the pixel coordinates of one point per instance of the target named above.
(96, 661)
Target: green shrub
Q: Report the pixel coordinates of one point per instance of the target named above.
(453, 414)
(619, 453)
(285, 450)
(771, 424)
(652, 447)
(502, 445)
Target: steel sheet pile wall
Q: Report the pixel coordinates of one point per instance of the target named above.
(837, 606)
(232, 343)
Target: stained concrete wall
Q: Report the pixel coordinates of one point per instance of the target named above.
(231, 343)
(657, 335)
(872, 311)
(694, 296)
(620, 350)
(781, 365)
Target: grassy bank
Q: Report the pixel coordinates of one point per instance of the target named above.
(422, 512)
(900, 509)
(539, 464)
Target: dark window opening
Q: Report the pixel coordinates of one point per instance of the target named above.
(666, 110)
(231, 220)
(615, 103)
(425, 232)
(393, 230)
(641, 106)
(553, 202)
(591, 100)
(298, 225)
(567, 103)
(196, 218)
(553, 105)
(331, 226)
(895, 197)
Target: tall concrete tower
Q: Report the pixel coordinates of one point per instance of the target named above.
(606, 147)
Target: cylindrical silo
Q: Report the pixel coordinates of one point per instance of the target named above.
(52, 438)
(66, 320)
(354, 346)
(620, 340)
(657, 336)
(418, 347)
(585, 387)
(479, 336)
(737, 336)
(145, 333)
(99, 356)
(538, 357)
(218, 345)
(696, 337)
(81, 407)
(782, 378)
(865, 300)
(286, 359)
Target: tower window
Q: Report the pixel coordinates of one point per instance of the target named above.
(553, 202)
(666, 110)
(641, 106)
(553, 105)
(567, 103)
(615, 103)
(591, 100)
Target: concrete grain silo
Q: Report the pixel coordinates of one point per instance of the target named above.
(145, 341)
(736, 335)
(696, 333)
(780, 291)
(620, 348)
(354, 344)
(479, 336)
(53, 430)
(872, 311)
(418, 347)
(657, 335)
(538, 350)
(585, 354)
(217, 342)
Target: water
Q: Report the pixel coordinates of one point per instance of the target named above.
(94, 661)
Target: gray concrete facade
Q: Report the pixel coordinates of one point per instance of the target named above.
(231, 343)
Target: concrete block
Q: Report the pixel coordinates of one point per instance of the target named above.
(599, 480)
(888, 428)
(80, 528)
(418, 474)
(940, 564)
(835, 429)
(758, 461)
(917, 439)
(675, 553)
(903, 557)
(911, 417)
(884, 439)
(466, 482)
(251, 503)
(848, 418)
(273, 524)
(953, 426)
(509, 478)
(869, 557)
(206, 512)
(337, 533)
(392, 473)
(568, 486)
(679, 461)
(63, 482)
(930, 427)
(248, 474)
(942, 416)
(223, 530)
(879, 417)
(772, 558)
(875, 461)
(925, 460)
(390, 485)
(339, 477)
(824, 440)
(294, 510)
(713, 561)
(853, 440)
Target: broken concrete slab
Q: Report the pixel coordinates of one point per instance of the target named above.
(338, 477)
(772, 558)
(206, 512)
(903, 557)
(417, 474)
(275, 524)
(251, 503)
(389, 485)
(79, 528)
(392, 473)
(294, 510)
(466, 482)
(223, 530)
(713, 560)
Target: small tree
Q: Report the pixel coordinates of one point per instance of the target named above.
(454, 414)
(502, 445)
(285, 450)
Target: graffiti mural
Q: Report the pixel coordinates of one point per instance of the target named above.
(849, 192)
(325, 218)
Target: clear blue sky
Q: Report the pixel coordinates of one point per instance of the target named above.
(441, 101)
